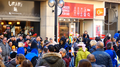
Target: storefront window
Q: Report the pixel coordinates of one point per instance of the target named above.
(68, 26)
(20, 27)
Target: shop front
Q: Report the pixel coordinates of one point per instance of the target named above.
(71, 21)
(23, 17)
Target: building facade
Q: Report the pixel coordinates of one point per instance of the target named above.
(36, 16)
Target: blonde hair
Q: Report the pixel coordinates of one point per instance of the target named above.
(20, 44)
(93, 43)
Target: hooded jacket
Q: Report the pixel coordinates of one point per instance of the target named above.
(12, 63)
(20, 50)
(52, 60)
(81, 55)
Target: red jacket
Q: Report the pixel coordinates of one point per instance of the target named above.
(67, 60)
(26, 45)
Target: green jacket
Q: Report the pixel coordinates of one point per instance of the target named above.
(81, 55)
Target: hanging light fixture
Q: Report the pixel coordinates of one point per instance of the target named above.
(61, 3)
(18, 23)
(9, 23)
(51, 3)
(2, 23)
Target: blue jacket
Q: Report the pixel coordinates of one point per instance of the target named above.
(102, 58)
(35, 44)
(92, 49)
(112, 55)
(116, 35)
(29, 56)
(20, 50)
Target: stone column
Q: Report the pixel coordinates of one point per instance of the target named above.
(47, 20)
(118, 25)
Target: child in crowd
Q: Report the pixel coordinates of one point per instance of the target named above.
(19, 59)
(20, 50)
(13, 53)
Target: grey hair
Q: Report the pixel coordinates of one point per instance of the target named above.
(63, 50)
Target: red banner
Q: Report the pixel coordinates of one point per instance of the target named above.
(75, 10)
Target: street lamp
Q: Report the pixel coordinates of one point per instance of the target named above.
(56, 3)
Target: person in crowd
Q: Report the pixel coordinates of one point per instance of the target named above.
(26, 43)
(75, 44)
(44, 51)
(51, 58)
(97, 39)
(65, 57)
(112, 53)
(62, 44)
(86, 41)
(25, 49)
(29, 47)
(27, 38)
(1, 64)
(8, 33)
(35, 43)
(114, 44)
(102, 58)
(13, 53)
(33, 56)
(10, 45)
(92, 59)
(51, 41)
(84, 63)
(105, 39)
(12, 39)
(85, 33)
(20, 50)
(1, 37)
(20, 39)
(26, 63)
(92, 44)
(109, 40)
(57, 48)
(19, 59)
(12, 63)
(5, 49)
(117, 35)
(46, 40)
(82, 53)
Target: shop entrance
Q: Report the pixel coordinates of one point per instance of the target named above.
(20, 27)
(67, 27)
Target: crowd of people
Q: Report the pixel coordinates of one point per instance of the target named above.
(69, 52)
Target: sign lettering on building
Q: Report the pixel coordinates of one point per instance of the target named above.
(75, 10)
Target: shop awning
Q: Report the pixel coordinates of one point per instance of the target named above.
(20, 18)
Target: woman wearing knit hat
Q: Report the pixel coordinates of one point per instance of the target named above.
(82, 53)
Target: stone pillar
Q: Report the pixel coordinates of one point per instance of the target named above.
(118, 25)
(47, 21)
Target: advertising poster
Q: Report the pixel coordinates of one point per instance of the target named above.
(98, 30)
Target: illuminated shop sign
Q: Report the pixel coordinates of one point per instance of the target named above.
(76, 10)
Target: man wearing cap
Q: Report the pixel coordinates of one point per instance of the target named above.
(102, 58)
(82, 53)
